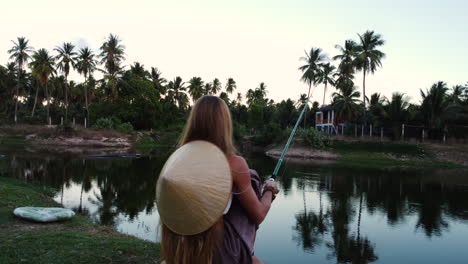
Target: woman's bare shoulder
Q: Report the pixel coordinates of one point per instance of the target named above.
(238, 165)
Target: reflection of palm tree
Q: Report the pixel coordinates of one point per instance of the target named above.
(105, 203)
(310, 227)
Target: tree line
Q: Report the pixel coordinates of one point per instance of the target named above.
(35, 88)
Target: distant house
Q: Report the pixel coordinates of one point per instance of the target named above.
(326, 121)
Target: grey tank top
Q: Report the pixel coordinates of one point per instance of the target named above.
(237, 243)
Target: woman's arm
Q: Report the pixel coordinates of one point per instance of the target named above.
(256, 209)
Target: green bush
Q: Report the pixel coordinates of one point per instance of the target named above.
(271, 133)
(313, 138)
(104, 123)
(126, 128)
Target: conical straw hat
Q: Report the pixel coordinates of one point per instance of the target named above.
(193, 188)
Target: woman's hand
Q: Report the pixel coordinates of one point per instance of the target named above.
(270, 185)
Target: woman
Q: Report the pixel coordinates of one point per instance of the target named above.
(230, 239)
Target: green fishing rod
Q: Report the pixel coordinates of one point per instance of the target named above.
(288, 143)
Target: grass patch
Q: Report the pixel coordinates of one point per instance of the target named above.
(380, 155)
(151, 146)
(13, 141)
(74, 241)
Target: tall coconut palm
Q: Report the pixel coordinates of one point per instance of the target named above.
(86, 65)
(195, 88)
(239, 98)
(311, 69)
(158, 81)
(65, 62)
(230, 86)
(20, 54)
(346, 101)
(43, 67)
(368, 57)
(216, 86)
(326, 77)
(112, 54)
(346, 57)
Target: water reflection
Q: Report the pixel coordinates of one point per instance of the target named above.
(334, 210)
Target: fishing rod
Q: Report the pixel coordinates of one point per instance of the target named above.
(286, 147)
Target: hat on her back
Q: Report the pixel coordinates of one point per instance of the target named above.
(193, 188)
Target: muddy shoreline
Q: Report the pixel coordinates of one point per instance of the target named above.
(303, 153)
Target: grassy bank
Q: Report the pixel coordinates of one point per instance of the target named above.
(74, 241)
(375, 155)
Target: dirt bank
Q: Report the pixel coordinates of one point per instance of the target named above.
(457, 154)
(75, 140)
(303, 153)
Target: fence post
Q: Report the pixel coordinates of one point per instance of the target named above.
(403, 132)
(444, 138)
(74, 123)
(370, 131)
(85, 122)
(381, 133)
(342, 130)
(362, 130)
(61, 120)
(355, 130)
(50, 121)
(423, 135)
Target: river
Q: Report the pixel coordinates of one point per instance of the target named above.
(324, 214)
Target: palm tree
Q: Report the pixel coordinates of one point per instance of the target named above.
(326, 77)
(435, 104)
(66, 61)
(257, 96)
(20, 54)
(397, 109)
(456, 94)
(138, 70)
(158, 81)
(239, 98)
(86, 65)
(112, 54)
(346, 102)
(216, 87)
(347, 56)
(311, 69)
(177, 92)
(195, 88)
(376, 108)
(230, 86)
(207, 89)
(302, 100)
(224, 96)
(43, 66)
(368, 58)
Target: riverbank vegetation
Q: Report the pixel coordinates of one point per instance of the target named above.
(74, 241)
(35, 89)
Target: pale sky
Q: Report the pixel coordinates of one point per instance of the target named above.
(256, 41)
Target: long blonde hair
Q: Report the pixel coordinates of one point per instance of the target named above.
(209, 120)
